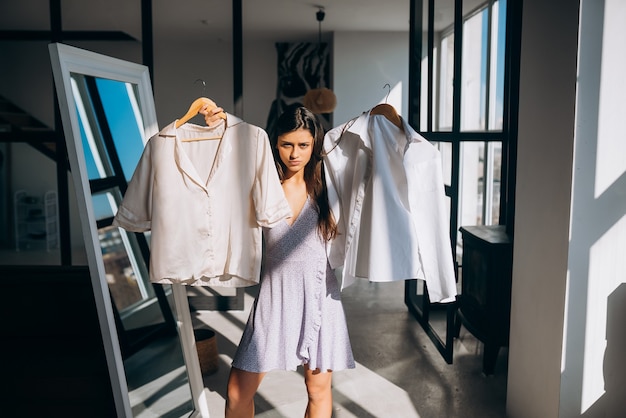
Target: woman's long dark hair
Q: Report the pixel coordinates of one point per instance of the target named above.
(292, 119)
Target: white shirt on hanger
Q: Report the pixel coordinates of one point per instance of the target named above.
(386, 191)
(205, 203)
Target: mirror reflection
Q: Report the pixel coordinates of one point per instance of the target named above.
(111, 129)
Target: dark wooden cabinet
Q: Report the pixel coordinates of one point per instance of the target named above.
(485, 300)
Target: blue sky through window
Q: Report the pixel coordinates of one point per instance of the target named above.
(119, 112)
(126, 133)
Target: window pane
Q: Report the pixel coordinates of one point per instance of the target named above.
(482, 78)
(445, 148)
(424, 95)
(443, 64)
(496, 80)
(104, 206)
(479, 183)
(120, 275)
(474, 72)
(124, 119)
(494, 163)
(424, 105)
(96, 159)
(445, 86)
(470, 183)
(126, 273)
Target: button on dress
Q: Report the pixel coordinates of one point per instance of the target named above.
(297, 317)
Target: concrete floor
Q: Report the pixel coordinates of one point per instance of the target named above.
(399, 373)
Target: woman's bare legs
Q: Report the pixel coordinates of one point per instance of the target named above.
(320, 393)
(242, 387)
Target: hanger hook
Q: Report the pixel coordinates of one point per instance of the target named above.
(203, 84)
(388, 91)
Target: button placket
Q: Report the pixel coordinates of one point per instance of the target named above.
(209, 213)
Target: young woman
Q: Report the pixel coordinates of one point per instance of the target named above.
(297, 318)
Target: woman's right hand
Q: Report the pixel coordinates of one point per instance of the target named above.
(212, 116)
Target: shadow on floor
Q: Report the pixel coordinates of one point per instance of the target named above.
(399, 373)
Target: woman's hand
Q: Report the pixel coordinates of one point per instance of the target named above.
(211, 117)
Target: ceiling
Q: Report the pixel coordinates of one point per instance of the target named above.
(212, 19)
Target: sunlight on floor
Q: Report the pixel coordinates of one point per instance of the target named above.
(357, 393)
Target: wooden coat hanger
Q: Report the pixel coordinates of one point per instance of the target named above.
(195, 107)
(388, 111)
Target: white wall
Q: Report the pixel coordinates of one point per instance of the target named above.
(594, 370)
(543, 194)
(260, 80)
(179, 65)
(569, 292)
(363, 62)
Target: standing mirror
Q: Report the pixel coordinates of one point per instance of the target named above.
(108, 114)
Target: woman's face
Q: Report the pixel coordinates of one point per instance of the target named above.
(295, 149)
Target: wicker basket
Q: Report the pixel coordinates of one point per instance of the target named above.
(206, 344)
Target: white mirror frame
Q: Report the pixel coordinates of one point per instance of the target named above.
(66, 60)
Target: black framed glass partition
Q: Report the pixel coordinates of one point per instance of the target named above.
(462, 98)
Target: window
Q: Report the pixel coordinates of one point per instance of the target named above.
(457, 87)
(466, 120)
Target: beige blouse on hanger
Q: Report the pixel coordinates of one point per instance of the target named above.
(205, 203)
